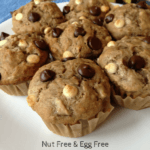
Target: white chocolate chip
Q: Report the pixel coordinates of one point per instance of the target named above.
(22, 43)
(111, 67)
(75, 23)
(33, 59)
(111, 43)
(37, 1)
(82, 18)
(47, 30)
(78, 2)
(67, 54)
(70, 91)
(31, 99)
(61, 109)
(19, 16)
(104, 8)
(119, 23)
(3, 42)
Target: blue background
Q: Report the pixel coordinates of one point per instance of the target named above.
(6, 6)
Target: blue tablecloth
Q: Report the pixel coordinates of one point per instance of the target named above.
(6, 6)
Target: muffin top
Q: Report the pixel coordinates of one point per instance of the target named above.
(77, 39)
(127, 63)
(36, 16)
(130, 20)
(21, 56)
(94, 10)
(65, 92)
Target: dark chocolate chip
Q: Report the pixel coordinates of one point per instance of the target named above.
(0, 76)
(41, 44)
(94, 43)
(142, 4)
(136, 62)
(68, 58)
(79, 31)
(66, 10)
(120, 1)
(47, 75)
(86, 71)
(56, 32)
(3, 36)
(147, 40)
(98, 21)
(34, 17)
(95, 11)
(109, 18)
(134, 1)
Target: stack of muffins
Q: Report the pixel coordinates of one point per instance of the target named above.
(71, 64)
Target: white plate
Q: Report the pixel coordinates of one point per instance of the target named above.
(23, 129)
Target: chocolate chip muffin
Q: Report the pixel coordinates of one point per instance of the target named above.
(127, 63)
(72, 97)
(130, 19)
(94, 10)
(36, 16)
(21, 56)
(77, 39)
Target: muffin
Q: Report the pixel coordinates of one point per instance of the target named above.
(77, 39)
(71, 97)
(127, 64)
(136, 22)
(36, 16)
(95, 10)
(21, 56)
